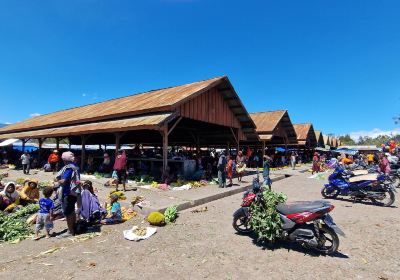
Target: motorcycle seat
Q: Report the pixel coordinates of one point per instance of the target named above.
(300, 206)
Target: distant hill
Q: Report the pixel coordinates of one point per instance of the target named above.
(2, 124)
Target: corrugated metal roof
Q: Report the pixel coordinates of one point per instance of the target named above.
(135, 123)
(267, 121)
(152, 101)
(302, 131)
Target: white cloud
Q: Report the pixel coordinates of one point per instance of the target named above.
(7, 123)
(373, 133)
(34, 115)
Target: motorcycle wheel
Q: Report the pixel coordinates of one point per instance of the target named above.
(241, 224)
(386, 201)
(333, 193)
(328, 242)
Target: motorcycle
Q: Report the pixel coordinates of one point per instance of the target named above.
(375, 187)
(395, 178)
(306, 223)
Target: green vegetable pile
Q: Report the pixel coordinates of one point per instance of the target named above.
(20, 181)
(170, 214)
(45, 184)
(14, 226)
(265, 220)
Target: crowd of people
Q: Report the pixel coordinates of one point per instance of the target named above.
(384, 161)
(69, 198)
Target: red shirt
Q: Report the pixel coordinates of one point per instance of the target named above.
(120, 162)
(53, 158)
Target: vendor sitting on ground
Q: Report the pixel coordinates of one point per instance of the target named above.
(9, 198)
(91, 210)
(115, 216)
(30, 192)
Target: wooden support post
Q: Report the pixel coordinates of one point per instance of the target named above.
(238, 141)
(263, 148)
(40, 151)
(57, 143)
(165, 147)
(198, 144)
(23, 145)
(118, 137)
(83, 154)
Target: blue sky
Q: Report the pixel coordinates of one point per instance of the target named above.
(332, 63)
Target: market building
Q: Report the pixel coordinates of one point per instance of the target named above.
(207, 113)
(320, 139)
(305, 136)
(274, 129)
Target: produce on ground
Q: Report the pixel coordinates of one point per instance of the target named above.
(200, 210)
(120, 194)
(14, 227)
(140, 231)
(45, 184)
(20, 181)
(265, 220)
(170, 214)
(156, 219)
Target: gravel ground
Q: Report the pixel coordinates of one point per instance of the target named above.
(204, 245)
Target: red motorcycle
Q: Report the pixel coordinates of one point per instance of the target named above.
(307, 222)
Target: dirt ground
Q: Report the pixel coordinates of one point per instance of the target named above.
(204, 245)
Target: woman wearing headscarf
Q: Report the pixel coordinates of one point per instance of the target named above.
(68, 178)
(9, 198)
(30, 192)
(90, 210)
(315, 164)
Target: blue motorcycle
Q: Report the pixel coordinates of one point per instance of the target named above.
(376, 188)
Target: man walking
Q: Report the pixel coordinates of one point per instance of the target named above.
(293, 160)
(26, 161)
(222, 170)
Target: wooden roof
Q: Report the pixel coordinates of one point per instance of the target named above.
(327, 140)
(151, 101)
(128, 124)
(213, 101)
(320, 138)
(269, 124)
(267, 121)
(305, 132)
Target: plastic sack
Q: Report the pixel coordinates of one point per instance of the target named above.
(130, 234)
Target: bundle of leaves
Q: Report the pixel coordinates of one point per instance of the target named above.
(20, 181)
(146, 179)
(45, 184)
(265, 220)
(170, 214)
(14, 227)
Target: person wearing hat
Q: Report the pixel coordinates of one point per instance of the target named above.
(54, 160)
(120, 169)
(30, 192)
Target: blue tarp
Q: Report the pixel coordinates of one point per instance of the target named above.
(346, 151)
(27, 148)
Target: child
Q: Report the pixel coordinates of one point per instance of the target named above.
(115, 215)
(44, 215)
(229, 170)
